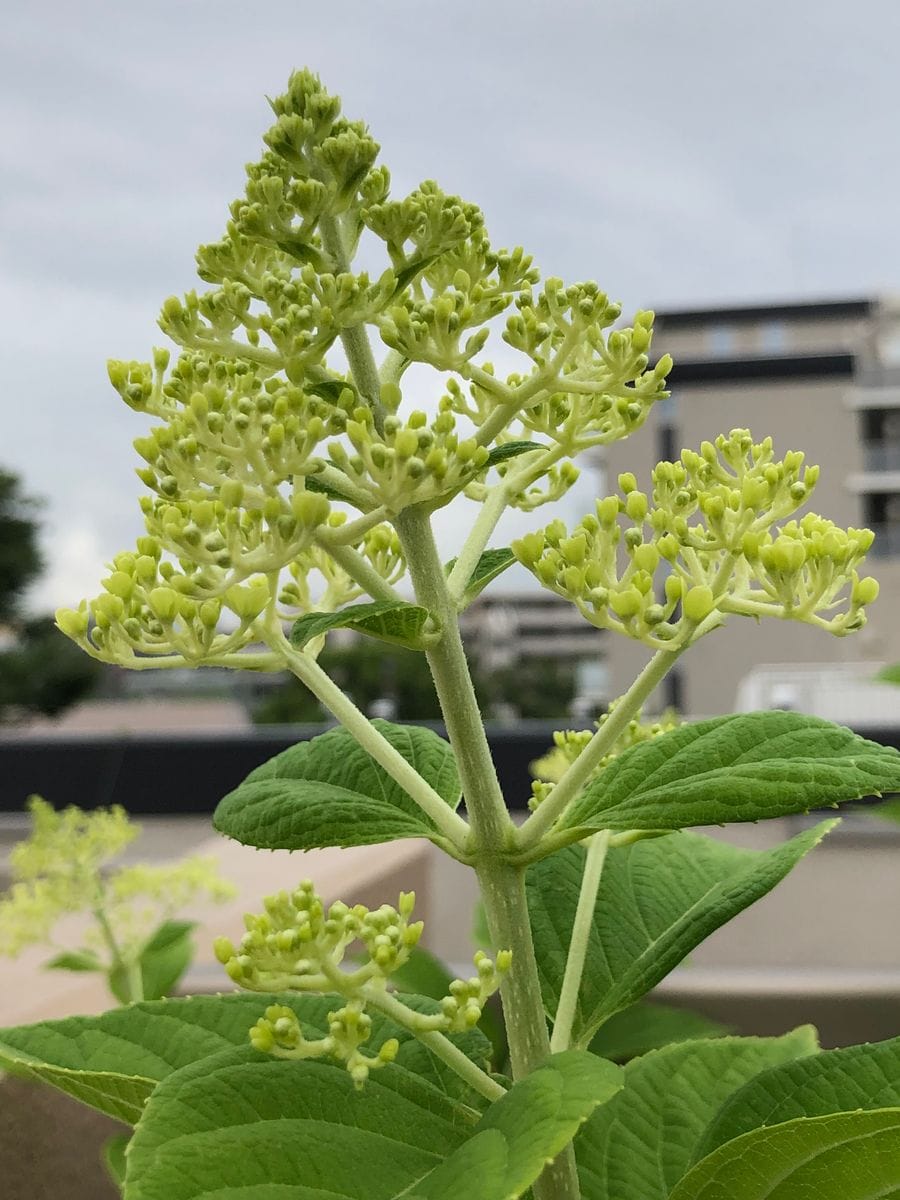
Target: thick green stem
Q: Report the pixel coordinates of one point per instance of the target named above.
(581, 933)
(580, 771)
(492, 831)
(437, 1043)
(502, 885)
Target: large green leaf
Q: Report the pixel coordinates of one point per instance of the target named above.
(639, 1145)
(245, 1124)
(112, 1062)
(740, 768)
(658, 899)
(524, 1130)
(392, 621)
(848, 1156)
(331, 792)
(644, 1027)
(857, 1077)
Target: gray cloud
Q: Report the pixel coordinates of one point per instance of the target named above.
(678, 152)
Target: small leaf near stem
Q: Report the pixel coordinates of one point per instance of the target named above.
(561, 1038)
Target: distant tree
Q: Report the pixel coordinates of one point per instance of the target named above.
(42, 671)
(20, 558)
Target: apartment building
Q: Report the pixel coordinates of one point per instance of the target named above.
(821, 377)
(504, 628)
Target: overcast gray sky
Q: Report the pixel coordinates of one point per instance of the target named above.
(680, 153)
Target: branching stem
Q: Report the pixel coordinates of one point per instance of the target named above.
(597, 847)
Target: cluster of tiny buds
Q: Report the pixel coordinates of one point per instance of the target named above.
(408, 461)
(463, 1007)
(279, 1033)
(299, 943)
(568, 745)
(705, 544)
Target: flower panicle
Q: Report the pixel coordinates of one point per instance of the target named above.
(706, 543)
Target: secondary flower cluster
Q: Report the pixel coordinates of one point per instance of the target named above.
(63, 867)
(298, 944)
(279, 1033)
(703, 544)
(568, 744)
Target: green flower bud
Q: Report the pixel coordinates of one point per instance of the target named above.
(163, 603)
(627, 483)
(865, 591)
(626, 603)
(247, 602)
(674, 588)
(636, 506)
(646, 556)
(73, 622)
(698, 603)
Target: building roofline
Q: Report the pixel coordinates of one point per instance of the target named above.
(815, 310)
(752, 370)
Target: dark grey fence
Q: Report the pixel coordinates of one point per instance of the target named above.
(189, 775)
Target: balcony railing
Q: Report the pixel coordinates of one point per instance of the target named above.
(887, 540)
(882, 456)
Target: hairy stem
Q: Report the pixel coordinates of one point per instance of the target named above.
(359, 569)
(580, 771)
(502, 885)
(581, 933)
(437, 1043)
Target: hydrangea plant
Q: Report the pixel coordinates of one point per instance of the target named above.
(134, 939)
(293, 470)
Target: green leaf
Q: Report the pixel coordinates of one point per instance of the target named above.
(890, 674)
(849, 1156)
(112, 1062)
(507, 450)
(75, 960)
(491, 564)
(740, 768)
(330, 390)
(165, 957)
(644, 1027)
(524, 1130)
(856, 1077)
(657, 900)
(392, 621)
(639, 1145)
(114, 1157)
(330, 792)
(407, 274)
(246, 1124)
(423, 974)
